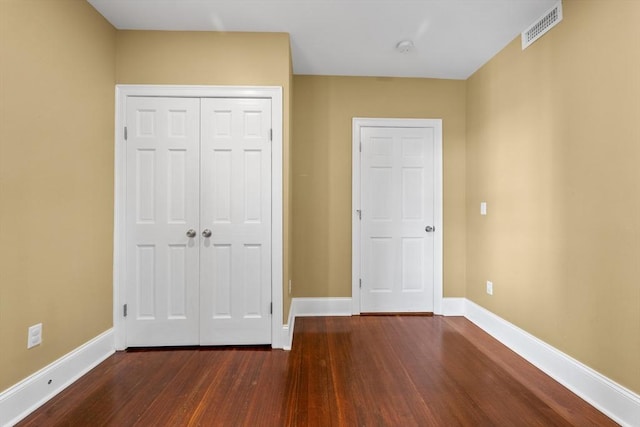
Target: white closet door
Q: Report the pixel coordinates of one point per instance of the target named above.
(398, 187)
(162, 205)
(235, 260)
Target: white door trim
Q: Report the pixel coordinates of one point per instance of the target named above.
(119, 261)
(357, 124)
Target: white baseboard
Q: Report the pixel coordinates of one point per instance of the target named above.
(26, 396)
(453, 306)
(287, 330)
(308, 307)
(287, 337)
(612, 399)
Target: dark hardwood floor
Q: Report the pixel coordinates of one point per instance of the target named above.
(358, 371)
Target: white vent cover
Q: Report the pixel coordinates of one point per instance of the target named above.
(549, 20)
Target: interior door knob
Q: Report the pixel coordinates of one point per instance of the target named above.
(429, 229)
(206, 232)
(191, 233)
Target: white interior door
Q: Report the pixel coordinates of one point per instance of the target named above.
(162, 204)
(235, 257)
(198, 221)
(397, 203)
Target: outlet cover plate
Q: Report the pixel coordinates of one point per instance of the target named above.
(35, 335)
(489, 287)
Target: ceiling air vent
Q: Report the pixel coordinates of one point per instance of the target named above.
(549, 20)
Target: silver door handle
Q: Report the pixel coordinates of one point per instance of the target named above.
(206, 232)
(429, 229)
(191, 233)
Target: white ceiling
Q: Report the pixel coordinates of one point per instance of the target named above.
(452, 38)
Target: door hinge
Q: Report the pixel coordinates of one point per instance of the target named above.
(270, 308)
(360, 147)
(270, 134)
(360, 283)
(359, 212)
(124, 310)
(125, 133)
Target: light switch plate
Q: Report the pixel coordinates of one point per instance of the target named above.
(483, 208)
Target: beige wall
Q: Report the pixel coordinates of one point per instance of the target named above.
(323, 112)
(213, 58)
(57, 73)
(288, 208)
(553, 147)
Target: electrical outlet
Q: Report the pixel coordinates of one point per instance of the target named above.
(489, 287)
(35, 335)
(483, 208)
(289, 286)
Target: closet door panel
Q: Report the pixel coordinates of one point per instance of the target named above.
(162, 205)
(236, 209)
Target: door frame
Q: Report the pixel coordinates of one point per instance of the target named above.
(119, 239)
(357, 124)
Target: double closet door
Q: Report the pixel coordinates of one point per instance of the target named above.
(198, 221)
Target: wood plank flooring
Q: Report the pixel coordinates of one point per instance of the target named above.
(358, 371)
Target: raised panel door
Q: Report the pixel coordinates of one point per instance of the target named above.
(162, 204)
(235, 275)
(397, 199)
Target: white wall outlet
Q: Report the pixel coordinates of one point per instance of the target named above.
(35, 335)
(483, 208)
(489, 287)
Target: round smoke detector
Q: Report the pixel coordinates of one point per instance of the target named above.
(404, 46)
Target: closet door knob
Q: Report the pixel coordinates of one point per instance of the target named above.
(206, 232)
(429, 229)
(191, 233)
